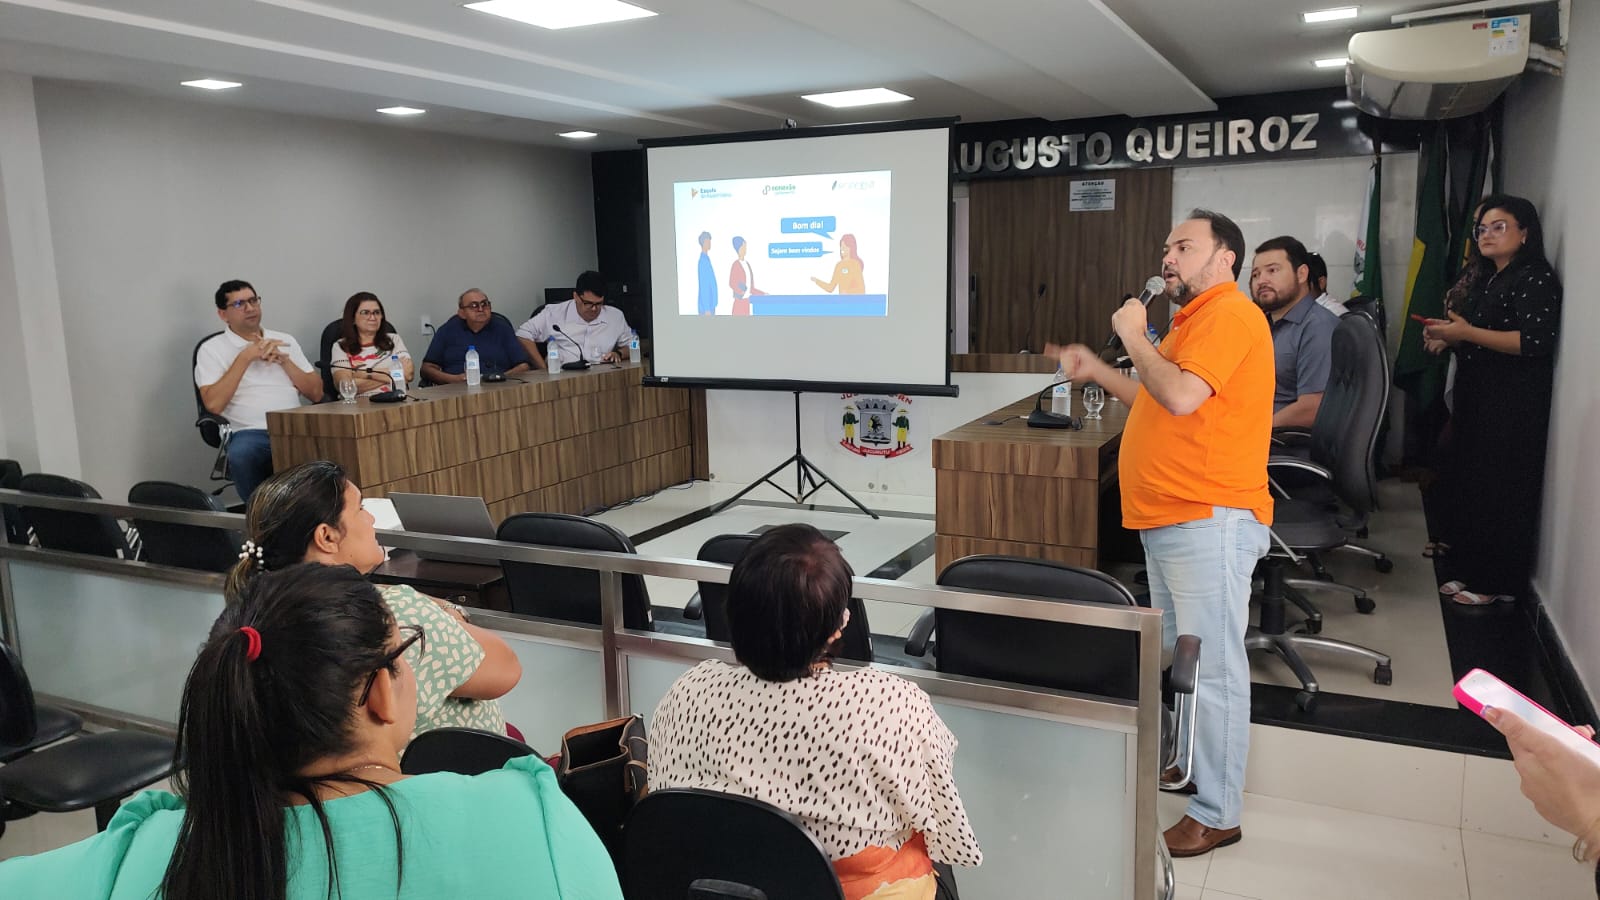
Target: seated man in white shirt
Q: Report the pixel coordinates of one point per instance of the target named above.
(1319, 285)
(581, 328)
(246, 372)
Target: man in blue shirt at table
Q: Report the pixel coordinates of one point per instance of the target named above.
(474, 325)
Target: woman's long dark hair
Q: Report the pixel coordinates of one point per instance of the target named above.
(285, 511)
(248, 728)
(350, 338)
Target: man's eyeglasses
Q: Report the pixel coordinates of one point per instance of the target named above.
(418, 636)
(476, 305)
(1491, 228)
(247, 301)
(591, 304)
(372, 313)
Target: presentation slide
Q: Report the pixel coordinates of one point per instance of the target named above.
(784, 245)
(810, 259)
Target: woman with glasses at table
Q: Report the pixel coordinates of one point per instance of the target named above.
(291, 726)
(363, 350)
(1504, 333)
(312, 513)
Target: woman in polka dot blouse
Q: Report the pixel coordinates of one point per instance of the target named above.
(860, 756)
(1491, 476)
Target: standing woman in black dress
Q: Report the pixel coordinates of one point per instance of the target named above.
(1504, 337)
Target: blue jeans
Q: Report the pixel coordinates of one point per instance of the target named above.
(249, 460)
(1200, 579)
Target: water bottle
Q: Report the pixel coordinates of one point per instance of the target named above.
(633, 346)
(1150, 332)
(397, 375)
(552, 358)
(1061, 394)
(474, 368)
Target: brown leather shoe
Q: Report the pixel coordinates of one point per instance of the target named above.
(1190, 838)
(1172, 774)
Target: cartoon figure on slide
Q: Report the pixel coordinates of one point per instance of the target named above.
(741, 280)
(902, 425)
(850, 421)
(847, 276)
(708, 278)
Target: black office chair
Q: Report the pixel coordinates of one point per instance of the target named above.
(681, 842)
(11, 480)
(558, 592)
(25, 725)
(184, 546)
(1057, 655)
(857, 644)
(1343, 434)
(77, 532)
(464, 751)
(96, 770)
(330, 336)
(213, 428)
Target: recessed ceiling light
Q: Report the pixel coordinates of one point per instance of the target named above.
(578, 135)
(1332, 62)
(211, 84)
(863, 97)
(402, 111)
(1329, 15)
(555, 14)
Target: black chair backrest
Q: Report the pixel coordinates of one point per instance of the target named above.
(1027, 651)
(78, 532)
(855, 644)
(1345, 432)
(11, 480)
(678, 836)
(330, 336)
(209, 423)
(465, 751)
(19, 717)
(557, 592)
(185, 546)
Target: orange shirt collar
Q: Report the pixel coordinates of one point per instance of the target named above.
(1204, 297)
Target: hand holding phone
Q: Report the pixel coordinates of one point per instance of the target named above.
(1422, 319)
(1479, 689)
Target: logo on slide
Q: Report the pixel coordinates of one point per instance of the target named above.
(854, 185)
(876, 425)
(778, 189)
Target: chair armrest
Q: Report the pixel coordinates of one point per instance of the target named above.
(1296, 463)
(921, 631)
(1184, 677)
(1289, 437)
(1185, 664)
(692, 610)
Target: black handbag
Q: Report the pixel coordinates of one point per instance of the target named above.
(604, 771)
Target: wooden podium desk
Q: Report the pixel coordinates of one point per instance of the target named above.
(1024, 491)
(551, 443)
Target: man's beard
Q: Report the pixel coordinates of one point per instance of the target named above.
(1279, 301)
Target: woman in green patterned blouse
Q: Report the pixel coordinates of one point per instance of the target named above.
(312, 513)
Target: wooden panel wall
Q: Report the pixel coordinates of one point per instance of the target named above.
(1022, 236)
(563, 444)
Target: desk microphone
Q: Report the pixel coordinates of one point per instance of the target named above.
(390, 396)
(1152, 287)
(1044, 418)
(578, 364)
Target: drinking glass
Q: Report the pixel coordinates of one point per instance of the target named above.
(1094, 399)
(347, 390)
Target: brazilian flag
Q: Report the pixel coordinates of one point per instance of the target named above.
(1416, 371)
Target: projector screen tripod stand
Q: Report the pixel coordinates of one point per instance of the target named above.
(808, 478)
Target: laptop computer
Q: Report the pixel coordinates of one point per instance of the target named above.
(443, 514)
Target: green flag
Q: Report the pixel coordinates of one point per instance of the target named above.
(1369, 266)
(1416, 371)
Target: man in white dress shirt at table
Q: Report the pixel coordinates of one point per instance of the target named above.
(583, 327)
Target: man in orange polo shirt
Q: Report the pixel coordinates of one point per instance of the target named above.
(1194, 485)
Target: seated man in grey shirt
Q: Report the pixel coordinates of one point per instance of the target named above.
(1302, 330)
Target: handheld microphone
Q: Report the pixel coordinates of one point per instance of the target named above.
(578, 364)
(1044, 418)
(1152, 287)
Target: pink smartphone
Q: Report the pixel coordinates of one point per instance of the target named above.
(1479, 689)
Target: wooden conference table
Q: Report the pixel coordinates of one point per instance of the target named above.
(1023, 491)
(567, 442)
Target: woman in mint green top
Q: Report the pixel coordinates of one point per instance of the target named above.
(293, 719)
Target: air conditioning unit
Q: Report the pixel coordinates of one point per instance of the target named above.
(1436, 71)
